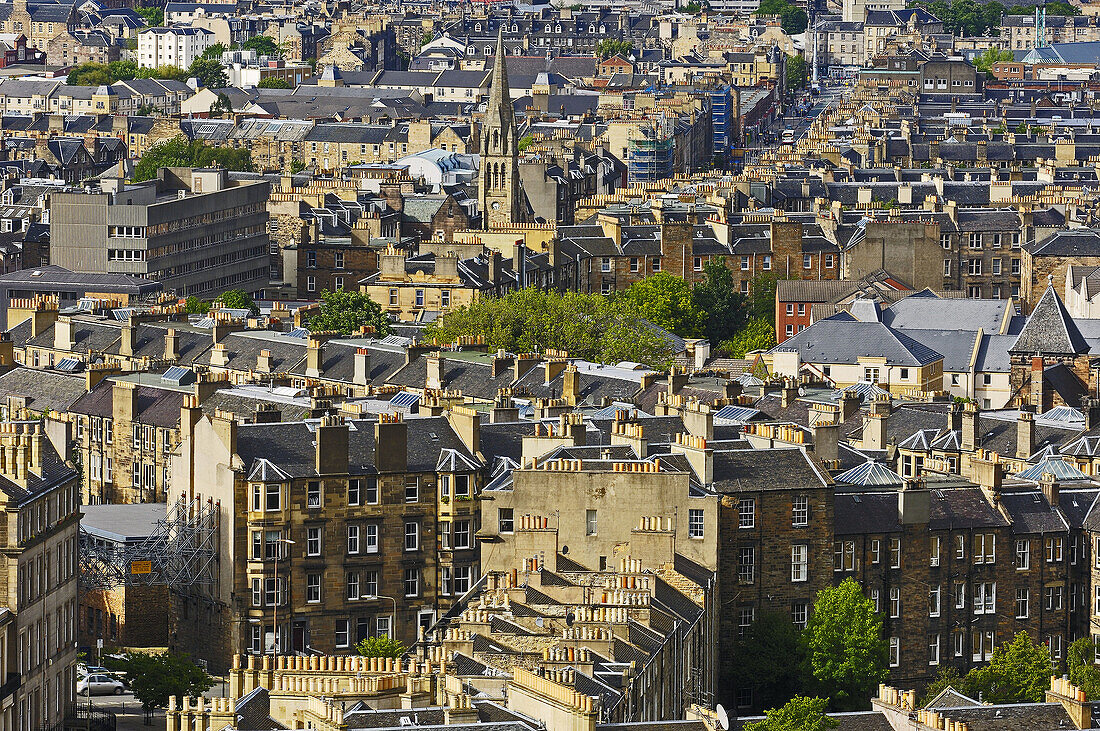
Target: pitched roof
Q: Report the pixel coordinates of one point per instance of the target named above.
(1050, 329)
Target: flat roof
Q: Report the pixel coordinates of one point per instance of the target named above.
(55, 276)
(122, 523)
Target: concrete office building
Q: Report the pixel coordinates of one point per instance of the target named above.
(195, 231)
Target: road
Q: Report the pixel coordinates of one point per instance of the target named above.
(831, 92)
(127, 709)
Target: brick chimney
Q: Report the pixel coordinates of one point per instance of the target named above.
(850, 403)
(954, 417)
(391, 443)
(360, 374)
(571, 385)
(315, 352)
(219, 356)
(1049, 485)
(914, 503)
(788, 393)
(970, 426)
(466, 423)
(331, 450)
(552, 367)
(435, 377)
(1025, 433)
(63, 334)
(677, 379)
(171, 345)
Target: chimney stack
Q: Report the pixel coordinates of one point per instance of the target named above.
(436, 371)
(467, 425)
(571, 385)
(171, 345)
(1025, 433)
(391, 443)
(332, 446)
(1091, 408)
(1049, 485)
(826, 441)
(1039, 396)
(128, 344)
(788, 393)
(263, 361)
(970, 426)
(361, 367)
(63, 334)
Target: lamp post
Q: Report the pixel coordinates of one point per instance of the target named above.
(393, 617)
(275, 645)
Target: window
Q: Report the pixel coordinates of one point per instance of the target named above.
(982, 645)
(272, 499)
(372, 491)
(828, 261)
(311, 283)
(1023, 597)
(505, 520)
(1054, 549)
(338, 283)
(934, 552)
(341, 633)
(767, 262)
(695, 523)
(870, 375)
(895, 553)
(933, 649)
(903, 374)
(462, 534)
(338, 259)
(746, 564)
(445, 298)
(412, 536)
(697, 263)
(1016, 267)
(313, 495)
(807, 261)
(313, 588)
(1023, 554)
(844, 556)
(1054, 642)
(960, 547)
(412, 582)
(975, 240)
(745, 618)
(985, 597)
(1074, 550)
(462, 485)
(800, 562)
(973, 267)
(352, 586)
(985, 548)
(313, 541)
(372, 538)
(744, 263)
(634, 265)
(1053, 596)
(412, 489)
(790, 309)
(876, 600)
(790, 330)
(960, 595)
(605, 264)
(354, 489)
(934, 601)
(656, 263)
(895, 602)
(996, 266)
(895, 652)
(353, 539)
(590, 522)
(800, 613)
(258, 592)
(947, 267)
(419, 297)
(393, 298)
(945, 241)
(800, 511)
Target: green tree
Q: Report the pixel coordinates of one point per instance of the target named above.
(844, 653)
(122, 70)
(223, 105)
(791, 17)
(667, 301)
(525, 142)
(346, 311)
(262, 45)
(1018, 672)
(756, 335)
(799, 714)
(238, 299)
(381, 646)
(609, 47)
(181, 152)
(273, 82)
(153, 16)
(215, 51)
(762, 296)
(297, 166)
(1083, 672)
(89, 74)
(947, 677)
(985, 61)
(156, 678)
(589, 326)
(796, 72)
(209, 72)
(171, 73)
(723, 306)
(195, 306)
(426, 37)
(771, 636)
(692, 8)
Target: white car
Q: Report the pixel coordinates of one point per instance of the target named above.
(97, 684)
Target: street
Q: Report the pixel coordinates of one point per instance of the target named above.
(127, 709)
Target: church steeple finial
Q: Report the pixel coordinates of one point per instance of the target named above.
(500, 101)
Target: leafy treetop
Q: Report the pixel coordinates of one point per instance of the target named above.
(791, 17)
(799, 714)
(156, 678)
(380, 646)
(181, 152)
(347, 311)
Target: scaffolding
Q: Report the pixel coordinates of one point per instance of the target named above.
(180, 552)
(649, 151)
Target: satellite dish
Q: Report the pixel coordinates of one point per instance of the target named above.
(723, 717)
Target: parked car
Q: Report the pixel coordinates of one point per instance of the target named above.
(99, 684)
(82, 669)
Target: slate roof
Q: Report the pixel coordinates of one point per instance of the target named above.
(1050, 329)
(156, 406)
(845, 341)
(770, 469)
(44, 390)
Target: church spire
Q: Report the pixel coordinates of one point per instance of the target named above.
(499, 112)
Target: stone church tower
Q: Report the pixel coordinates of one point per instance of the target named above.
(499, 194)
